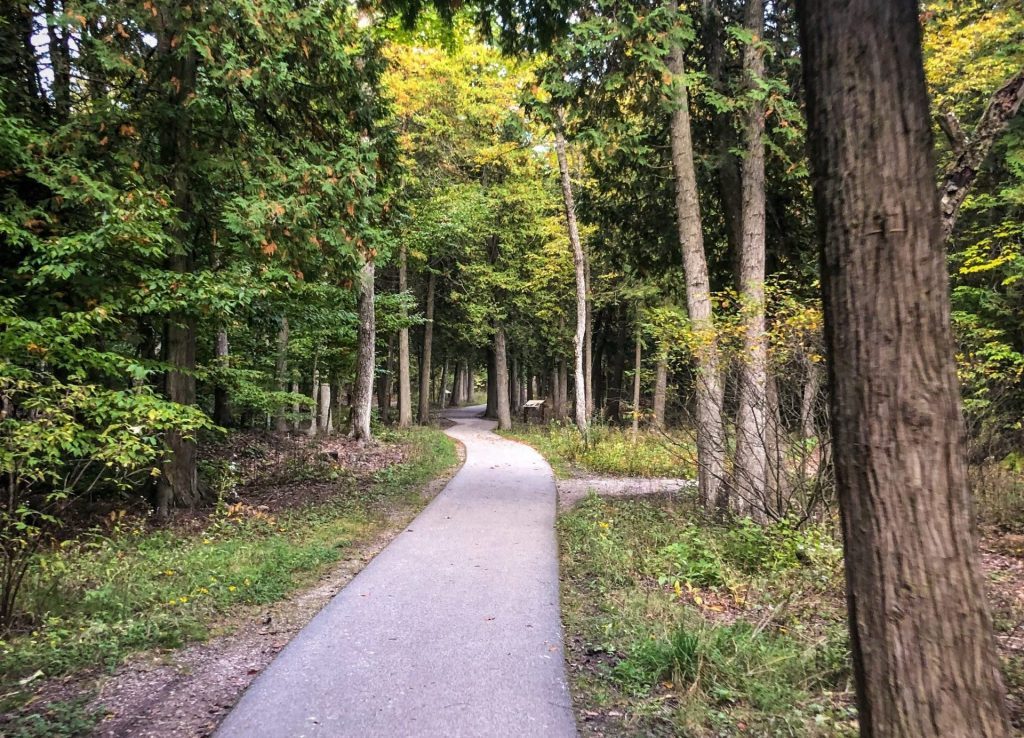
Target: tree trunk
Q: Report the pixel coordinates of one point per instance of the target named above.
(921, 637)
(221, 407)
(660, 393)
(428, 345)
(616, 387)
(441, 384)
(323, 419)
(314, 395)
(179, 481)
(580, 336)
(710, 428)
(281, 373)
(491, 411)
(404, 377)
(362, 399)
(60, 62)
(513, 390)
(501, 377)
(178, 485)
(809, 400)
(470, 384)
(385, 384)
(637, 365)
(750, 467)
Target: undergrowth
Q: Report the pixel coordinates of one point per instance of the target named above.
(125, 588)
(610, 450)
(685, 627)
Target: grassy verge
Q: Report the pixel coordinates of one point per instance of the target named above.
(126, 588)
(676, 627)
(611, 451)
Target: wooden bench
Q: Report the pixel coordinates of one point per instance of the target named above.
(537, 406)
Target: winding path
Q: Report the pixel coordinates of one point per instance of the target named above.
(452, 630)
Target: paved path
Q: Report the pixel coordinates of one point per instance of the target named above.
(452, 630)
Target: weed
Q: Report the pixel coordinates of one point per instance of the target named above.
(610, 450)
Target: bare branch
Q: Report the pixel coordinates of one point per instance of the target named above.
(960, 175)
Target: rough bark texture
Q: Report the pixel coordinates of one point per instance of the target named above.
(972, 152)
(579, 264)
(362, 396)
(501, 379)
(921, 637)
(750, 468)
(428, 346)
(708, 390)
(404, 377)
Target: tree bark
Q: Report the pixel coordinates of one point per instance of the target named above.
(491, 411)
(971, 153)
(179, 481)
(710, 428)
(323, 418)
(921, 637)
(281, 372)
(809, 400)
(221, 407)
(385, 384)
(660, 393)
(501, 377)
(750, 466)
(579, 264)
(314, 396)
(637, 365)
(404, 377)
(428, 345)
(362, 399)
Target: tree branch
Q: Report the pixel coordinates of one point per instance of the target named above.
(960, 175)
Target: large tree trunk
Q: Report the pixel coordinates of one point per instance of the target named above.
(362, 397)
(281, 372)
(580, 336)
(179, 481)
(710, 428)
(921, 637)
(750, 467)
(501, 377)
(404, 380)
(428, 346)
(178, 485)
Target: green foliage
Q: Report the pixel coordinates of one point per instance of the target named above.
(127, 587)
(691, 628)
(612, 451)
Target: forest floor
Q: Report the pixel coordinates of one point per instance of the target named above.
(156, 631)
(678, 625)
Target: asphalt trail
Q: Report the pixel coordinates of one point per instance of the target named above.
(452, 630)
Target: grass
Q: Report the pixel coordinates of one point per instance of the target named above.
(104, 595)
(689, 628)
(610, 450)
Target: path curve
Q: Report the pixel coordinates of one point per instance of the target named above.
(453, 630)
